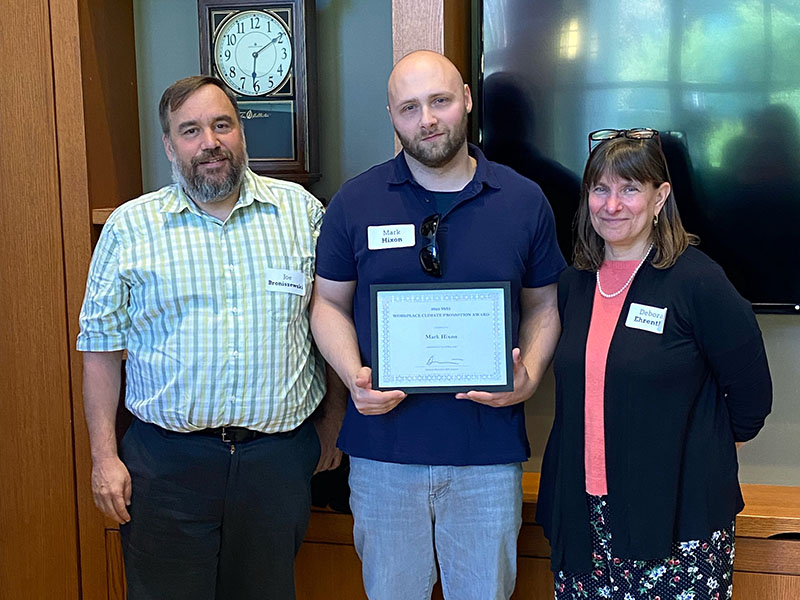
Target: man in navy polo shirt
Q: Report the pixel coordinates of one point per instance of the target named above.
(436, 476)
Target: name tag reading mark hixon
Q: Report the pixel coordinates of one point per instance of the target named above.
(380, 237)
(646, 318)
(284, 280)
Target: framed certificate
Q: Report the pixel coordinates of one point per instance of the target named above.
(448, 337)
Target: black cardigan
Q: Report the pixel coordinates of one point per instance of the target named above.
(675, 404)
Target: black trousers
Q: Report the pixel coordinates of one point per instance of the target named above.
(215, 521)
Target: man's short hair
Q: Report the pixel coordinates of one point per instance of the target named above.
(176, 94)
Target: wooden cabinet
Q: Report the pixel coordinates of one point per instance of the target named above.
(767, 563)
(766, 567)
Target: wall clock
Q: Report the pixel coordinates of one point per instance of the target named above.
(264, 52)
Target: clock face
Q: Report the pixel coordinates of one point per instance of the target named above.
(253, 52)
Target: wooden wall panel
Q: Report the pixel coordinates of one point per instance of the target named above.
(438, 25)
(38, 537)
(767, 556)
(77, 235)
(751, 586)
(115, 566)
(111, 104)
(417, 25)
(330, 571)
(457, 16)
(534, 579)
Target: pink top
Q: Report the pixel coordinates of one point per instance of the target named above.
(605, 314)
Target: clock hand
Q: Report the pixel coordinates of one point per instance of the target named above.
(277, 38)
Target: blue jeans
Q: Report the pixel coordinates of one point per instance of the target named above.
(409, 516)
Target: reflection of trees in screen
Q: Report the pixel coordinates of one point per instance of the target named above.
(641, 34)
(733, 57)
(756, 58)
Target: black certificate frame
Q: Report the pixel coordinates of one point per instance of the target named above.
(376, 289)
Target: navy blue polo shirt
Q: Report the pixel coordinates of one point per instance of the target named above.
(500, 228)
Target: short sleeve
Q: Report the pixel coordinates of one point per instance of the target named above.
(104, 320)
(545, 260)
(335, 254)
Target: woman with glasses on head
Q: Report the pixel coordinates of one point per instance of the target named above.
(660, 371)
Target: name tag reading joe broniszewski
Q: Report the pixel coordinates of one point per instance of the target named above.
(285, 280)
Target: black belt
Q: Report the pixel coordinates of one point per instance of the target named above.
(231, 435)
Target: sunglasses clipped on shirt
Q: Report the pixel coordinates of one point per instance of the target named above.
(429, 257)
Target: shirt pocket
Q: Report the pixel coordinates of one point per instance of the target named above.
(275, 284)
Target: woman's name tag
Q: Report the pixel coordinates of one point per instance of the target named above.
(646, 318)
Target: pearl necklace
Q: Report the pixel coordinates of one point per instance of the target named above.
(630, 279)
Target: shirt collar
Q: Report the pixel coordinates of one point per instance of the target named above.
(484, 173)
(253, 190)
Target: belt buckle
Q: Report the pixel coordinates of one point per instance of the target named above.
(225, 436)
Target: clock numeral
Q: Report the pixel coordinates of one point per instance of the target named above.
(275, 39)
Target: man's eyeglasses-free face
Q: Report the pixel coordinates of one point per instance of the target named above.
(429, 255)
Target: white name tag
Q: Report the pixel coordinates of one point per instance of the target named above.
(380, 237)
(646, 318)
(284, 280)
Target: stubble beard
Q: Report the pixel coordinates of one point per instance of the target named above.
(209, 188)
(433, 155)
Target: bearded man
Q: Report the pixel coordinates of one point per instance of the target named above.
(435, 477)
(206, 283)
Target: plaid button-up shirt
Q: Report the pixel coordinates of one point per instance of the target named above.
(212, 338)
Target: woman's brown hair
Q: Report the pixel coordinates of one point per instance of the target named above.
(638, 160)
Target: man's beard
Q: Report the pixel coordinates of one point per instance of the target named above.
(436, 155)
(210, 187)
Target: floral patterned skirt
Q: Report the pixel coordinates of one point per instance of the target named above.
(696, 570)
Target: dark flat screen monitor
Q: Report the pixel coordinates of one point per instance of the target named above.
(719, 79)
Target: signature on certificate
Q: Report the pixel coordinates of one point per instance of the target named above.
(453, 361)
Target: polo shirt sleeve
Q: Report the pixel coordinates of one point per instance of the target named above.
(104, 320)
(545, 261)
(335, 255)
(728, 336)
